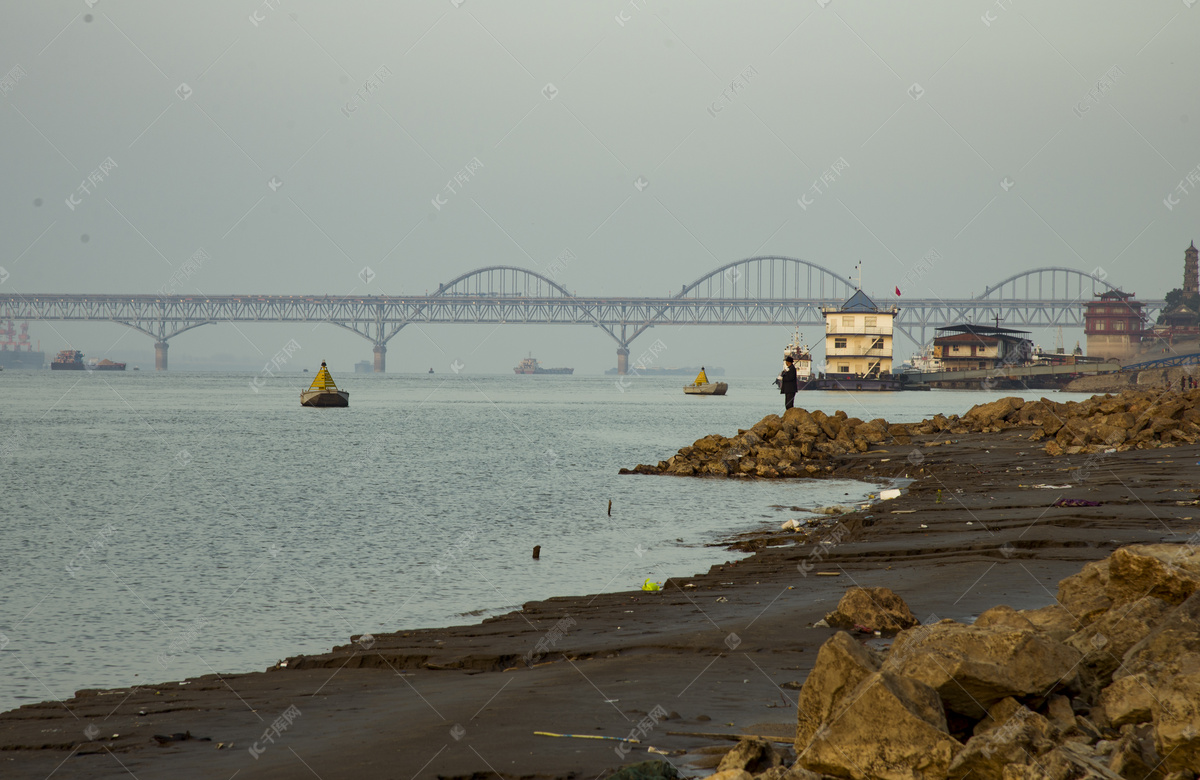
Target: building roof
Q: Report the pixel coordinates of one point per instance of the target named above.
(1116, 295)
(981, 330)
(859, 302)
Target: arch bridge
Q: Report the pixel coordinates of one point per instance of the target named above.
(766, 290)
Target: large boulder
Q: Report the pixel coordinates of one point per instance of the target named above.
(1104, 643)
(1054, 620)
(1127, 700)
(1170, 572)
(1084, 595)
(983, 415)
(1169, 648)
(872, 609)
(752, 755)
(973, 667)
(842, 663)
(890, 728)
(1176, 713)
(1014, 735)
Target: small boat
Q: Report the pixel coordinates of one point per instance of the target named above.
(801, 357)
(704, 387)
(323, 391)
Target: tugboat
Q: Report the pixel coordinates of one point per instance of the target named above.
(72, 360)
(324, 392)
(530, 365)
(704, 387)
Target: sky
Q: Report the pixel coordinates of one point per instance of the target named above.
(297, 144)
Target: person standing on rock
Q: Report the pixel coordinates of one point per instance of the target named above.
(787, 382)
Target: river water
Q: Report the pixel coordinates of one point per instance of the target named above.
(163, 525)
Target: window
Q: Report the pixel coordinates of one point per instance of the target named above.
(1119, 325)
(839, 343)
(847, 322)
(877, 343)
(844, 369)
(869, 321)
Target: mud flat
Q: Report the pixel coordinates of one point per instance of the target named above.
(988, 519)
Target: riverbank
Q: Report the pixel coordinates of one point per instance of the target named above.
(721, 652)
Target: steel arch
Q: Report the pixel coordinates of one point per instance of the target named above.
(506, 276)
(747, 274)
(1040, 274)
(509, 274)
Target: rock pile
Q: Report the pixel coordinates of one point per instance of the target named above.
(803, 443)
(1104, 684)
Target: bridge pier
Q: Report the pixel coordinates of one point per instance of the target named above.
(380, 358)
(622, 361)
(160, 355)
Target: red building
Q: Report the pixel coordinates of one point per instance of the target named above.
(1114, 324)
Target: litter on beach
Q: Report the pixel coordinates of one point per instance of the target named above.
(1075, 502)
(1051, 487)
(584, 736)
(891, 493)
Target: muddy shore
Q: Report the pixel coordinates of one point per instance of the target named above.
(721, 652)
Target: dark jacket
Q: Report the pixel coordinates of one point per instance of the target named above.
(787, 383)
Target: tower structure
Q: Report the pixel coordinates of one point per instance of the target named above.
(1190, 273)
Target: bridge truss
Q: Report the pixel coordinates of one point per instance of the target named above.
(755, 291)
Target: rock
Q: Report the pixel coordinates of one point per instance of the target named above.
(985, 415)
(973, 667)
(875, 609)
(646, 770)
(1083, 595)
(842, 663)
(1054, 620)
(1170, 572)
(1060, 712)
(1168, 649)
(732, 774)
(1127, 700)
(1016, 734)
(751, 755)
(1003, 616)
(1134, 756)
(890, 727)
(1175, 709)
(1105, 642)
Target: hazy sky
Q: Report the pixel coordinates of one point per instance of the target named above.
(296, 143)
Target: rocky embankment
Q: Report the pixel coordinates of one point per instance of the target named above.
(1147, 379)
(803, 443)
(1105, 683)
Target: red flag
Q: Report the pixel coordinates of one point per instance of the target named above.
(897, 292)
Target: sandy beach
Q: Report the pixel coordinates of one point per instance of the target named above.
(721, 652)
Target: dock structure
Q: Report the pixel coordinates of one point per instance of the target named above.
(1003, 377)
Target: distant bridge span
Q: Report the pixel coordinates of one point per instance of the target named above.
(768, 290)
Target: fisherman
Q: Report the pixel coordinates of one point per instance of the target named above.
(787, 382)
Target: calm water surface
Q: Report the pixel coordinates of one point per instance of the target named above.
(159, 526)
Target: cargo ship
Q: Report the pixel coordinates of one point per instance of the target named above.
(72, 360)
(16, 351)
(530, 365)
